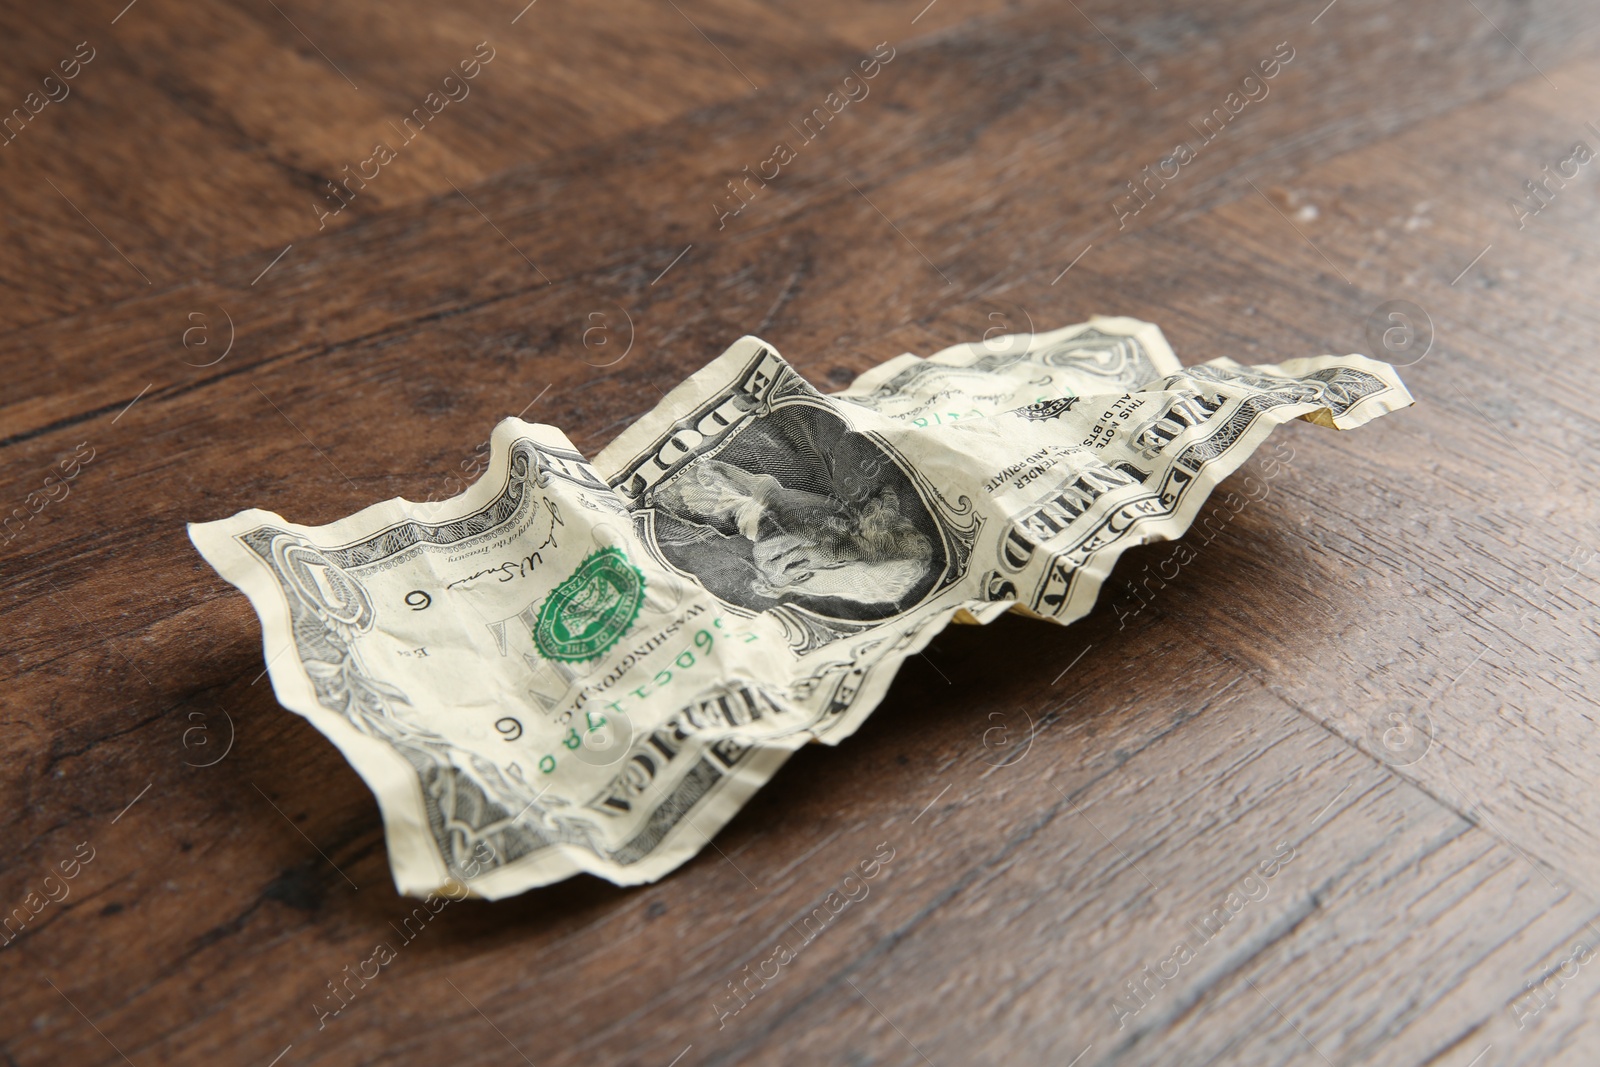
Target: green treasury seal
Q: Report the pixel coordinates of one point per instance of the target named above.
(591, 609)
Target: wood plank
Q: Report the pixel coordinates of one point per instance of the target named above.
(623, 225)
(254, 109)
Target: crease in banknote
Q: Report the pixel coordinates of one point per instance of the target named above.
(581, 666)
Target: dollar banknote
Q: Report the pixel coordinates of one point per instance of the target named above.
(590, 665)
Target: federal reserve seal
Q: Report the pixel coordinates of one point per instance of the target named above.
(591, 609)
(1047, 409)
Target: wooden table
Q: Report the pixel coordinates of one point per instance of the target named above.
(1324, 796)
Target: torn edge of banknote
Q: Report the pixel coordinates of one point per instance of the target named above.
(590, 667)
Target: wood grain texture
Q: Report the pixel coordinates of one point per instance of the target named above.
(1064, 807)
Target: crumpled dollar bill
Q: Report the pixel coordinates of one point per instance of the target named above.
(583, 665)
